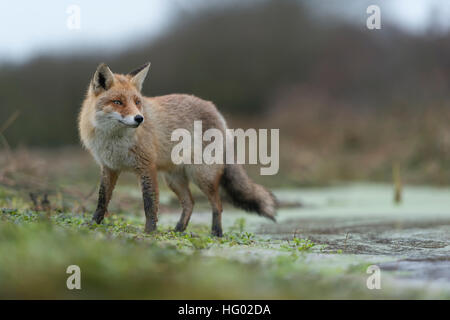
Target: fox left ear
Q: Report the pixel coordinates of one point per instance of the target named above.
(103, 79)
(138, 75)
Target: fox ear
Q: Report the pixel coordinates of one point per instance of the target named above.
(103, 79)
(138, 75)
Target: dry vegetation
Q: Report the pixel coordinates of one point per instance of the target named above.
(350, 104)
(328, 142)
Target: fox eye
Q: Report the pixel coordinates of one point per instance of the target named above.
(138, 102)
(118, 102)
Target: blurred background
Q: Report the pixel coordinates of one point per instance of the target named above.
(351, 103)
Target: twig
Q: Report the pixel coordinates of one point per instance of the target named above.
(5, 126)
(345, 242)
(9, 121)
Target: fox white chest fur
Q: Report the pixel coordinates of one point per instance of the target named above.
(110, 146)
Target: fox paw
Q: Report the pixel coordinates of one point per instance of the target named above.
(217, 232)
(98, 217)
(180, 227)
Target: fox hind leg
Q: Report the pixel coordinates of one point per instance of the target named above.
(179, 184)
(216, 205)
(207, 179)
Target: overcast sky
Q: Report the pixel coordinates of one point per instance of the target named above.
(28, 28)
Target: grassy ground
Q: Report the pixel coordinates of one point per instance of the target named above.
(46, 203)
(117, 260)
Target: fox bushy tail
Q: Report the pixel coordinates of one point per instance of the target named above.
(245, 194)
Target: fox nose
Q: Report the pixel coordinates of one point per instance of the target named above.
(138, 118)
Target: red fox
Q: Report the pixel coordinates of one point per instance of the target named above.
(124, 130)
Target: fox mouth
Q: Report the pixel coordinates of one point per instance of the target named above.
(129, 125)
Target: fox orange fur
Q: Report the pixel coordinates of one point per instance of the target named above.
(124, 130)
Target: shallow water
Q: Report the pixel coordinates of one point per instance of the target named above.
(363, 220)
(356, 225)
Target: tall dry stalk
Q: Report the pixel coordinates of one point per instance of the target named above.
(398, 186)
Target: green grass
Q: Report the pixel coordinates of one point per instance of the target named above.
(118, 261)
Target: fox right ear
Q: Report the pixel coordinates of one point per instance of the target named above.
(138, 75)
(103, 79)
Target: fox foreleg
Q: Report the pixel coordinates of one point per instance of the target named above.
(149, 186)
(107, 183)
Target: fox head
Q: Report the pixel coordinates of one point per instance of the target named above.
(117, 98)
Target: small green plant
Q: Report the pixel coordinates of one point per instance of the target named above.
(241, 238)
(200, 242)
(239, 225)
(297, 244)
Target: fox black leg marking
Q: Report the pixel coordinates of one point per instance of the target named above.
(216, 204)
(150, 196)
(101, 204)
(216, 229)
(107, 183)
